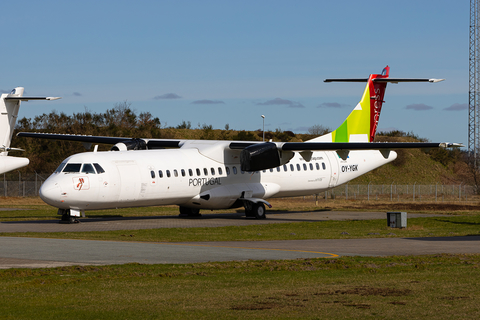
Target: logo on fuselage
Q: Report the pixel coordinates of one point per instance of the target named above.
(81, 183)
(194, 182)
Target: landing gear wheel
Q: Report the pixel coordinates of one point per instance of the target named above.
(258, 210)
(68, 219)
(190, 213)
(255, 210)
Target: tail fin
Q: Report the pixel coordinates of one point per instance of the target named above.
(8, 116)
(361, 124)
(9, 106)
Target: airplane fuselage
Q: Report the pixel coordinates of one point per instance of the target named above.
(199, 178)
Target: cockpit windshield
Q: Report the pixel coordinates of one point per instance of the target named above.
(60, 167)
(88, 168)
(72, 167)
(79, 167)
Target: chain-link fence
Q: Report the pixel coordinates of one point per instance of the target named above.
(28, 186)
(403, 192)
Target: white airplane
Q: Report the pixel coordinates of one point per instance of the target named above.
(204, 174)
(9, 105)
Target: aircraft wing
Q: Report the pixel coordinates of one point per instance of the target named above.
(285, 146)
(337, 146)
(334, 146)
(266, 155)
(130, 143)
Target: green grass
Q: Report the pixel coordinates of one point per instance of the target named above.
(45, 212)
(417, 227)
(441, 286)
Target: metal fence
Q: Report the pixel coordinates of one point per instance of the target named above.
(404, 192)
(28, 186)
(25, 186)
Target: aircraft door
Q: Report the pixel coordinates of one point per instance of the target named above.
(129, 182)
(332, 162)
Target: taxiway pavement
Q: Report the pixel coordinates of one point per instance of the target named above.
(18, 252)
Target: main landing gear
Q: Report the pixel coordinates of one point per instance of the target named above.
(190, 213)
(254, 210)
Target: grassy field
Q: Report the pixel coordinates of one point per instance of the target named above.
(444, 287)
(417, 287)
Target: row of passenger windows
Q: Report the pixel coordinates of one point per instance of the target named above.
(198, 172)
(80, 167)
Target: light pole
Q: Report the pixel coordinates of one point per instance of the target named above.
(263, 130)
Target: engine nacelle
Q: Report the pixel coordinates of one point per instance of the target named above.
(132, 144)
(260, 156)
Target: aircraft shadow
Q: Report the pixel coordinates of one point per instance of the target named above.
(473, 237)
(222, 216)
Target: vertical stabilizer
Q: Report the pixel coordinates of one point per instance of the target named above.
(9, 106)
(8, 116)
(361, 124)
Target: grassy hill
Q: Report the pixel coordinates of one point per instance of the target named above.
(435, 166)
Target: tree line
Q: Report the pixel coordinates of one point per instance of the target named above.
(120, 121)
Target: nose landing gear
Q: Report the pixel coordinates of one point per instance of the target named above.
(68, 217)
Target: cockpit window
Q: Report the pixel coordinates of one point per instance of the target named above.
(72, 167)
(60, 167)
(88, 168)
(99, 168)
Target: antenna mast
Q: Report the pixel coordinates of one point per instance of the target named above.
(474, 84)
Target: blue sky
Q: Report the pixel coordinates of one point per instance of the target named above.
(229, 62)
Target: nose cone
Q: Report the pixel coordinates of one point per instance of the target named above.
(51, 193)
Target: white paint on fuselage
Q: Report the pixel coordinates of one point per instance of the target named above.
(128, 181)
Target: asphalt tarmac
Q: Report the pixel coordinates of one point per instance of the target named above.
(18, 252)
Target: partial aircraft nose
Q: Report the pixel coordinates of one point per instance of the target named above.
(51, 193)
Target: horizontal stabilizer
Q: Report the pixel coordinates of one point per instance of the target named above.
(385, 80)
(31, 98)
(2, 149)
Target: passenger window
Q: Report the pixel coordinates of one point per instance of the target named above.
(213, 171)
(152, 173)
(175, 173)
(271, 169)
(264, 171)
(160, 173)
(198, 172)
(88, 168)
(285, 168)
(227, 169)
(292, 168)
(183, 173)
(99, 168)
(72, 167)
(60, 167)
(324, 166)
(298, 167)
(190, 172)
(220, 171)
(278, 169)
(205, 171)
(234, 170)
(317, 166)
(168, 173)
(311, 166)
